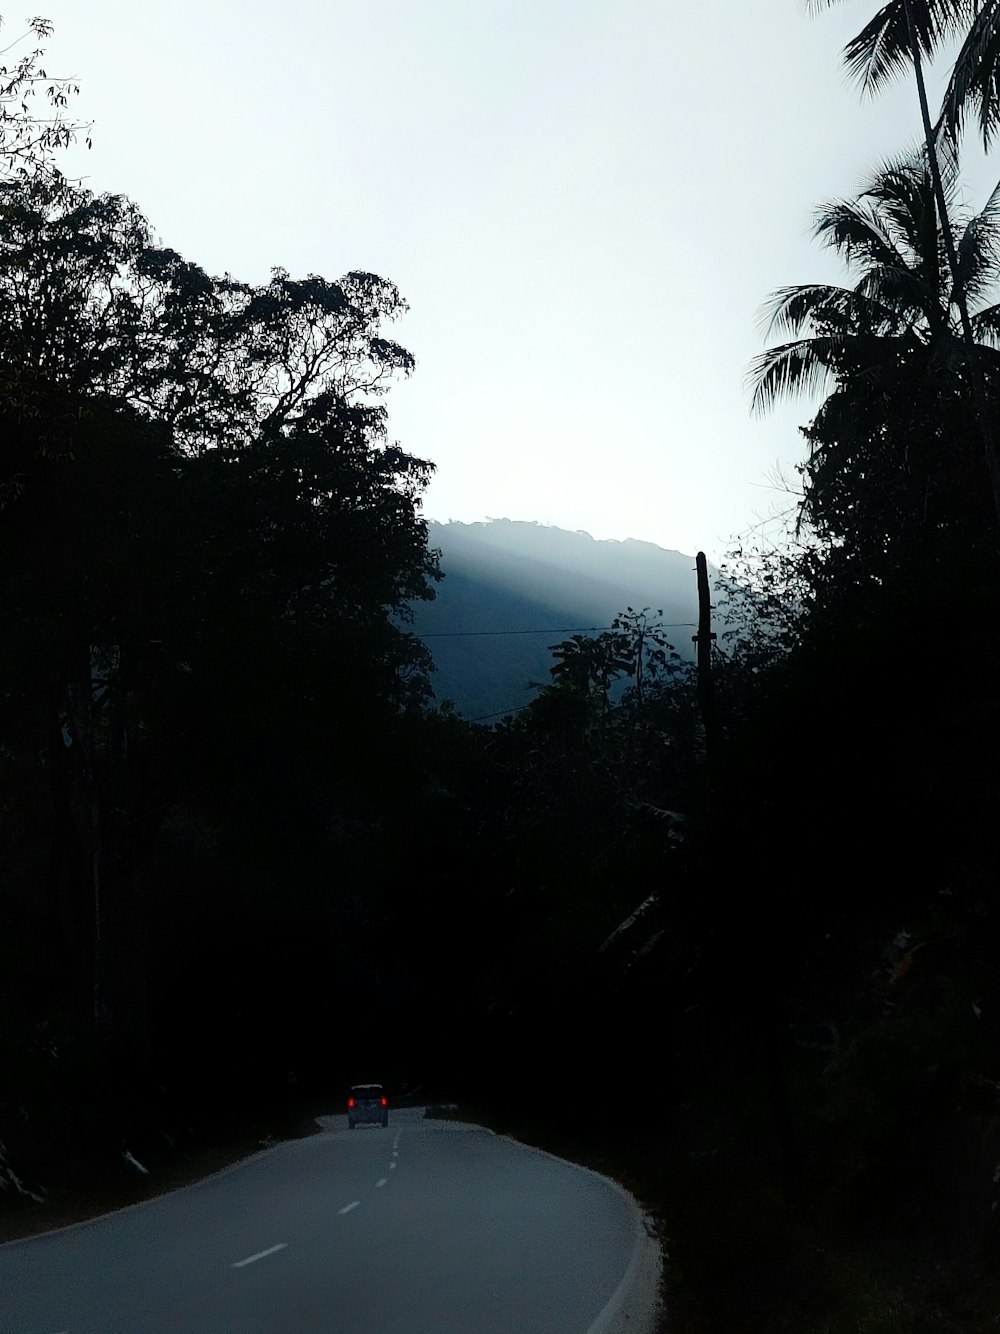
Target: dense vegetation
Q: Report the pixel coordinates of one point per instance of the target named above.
(240, 844)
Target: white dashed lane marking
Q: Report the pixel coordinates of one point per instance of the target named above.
(251, 1259)
(392, 1167)
(381, 1182)
(355, 1204)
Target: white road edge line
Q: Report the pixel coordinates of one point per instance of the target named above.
(355, 1204)
(238, 1264)
(639, 1287)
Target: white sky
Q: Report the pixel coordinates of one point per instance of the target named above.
(584, 203)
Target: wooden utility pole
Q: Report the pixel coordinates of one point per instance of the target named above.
(706, 686)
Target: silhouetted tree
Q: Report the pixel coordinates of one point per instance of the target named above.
(208, 548)
(892, 459)
(900, 35)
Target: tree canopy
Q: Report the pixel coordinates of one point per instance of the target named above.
(893, 462)
(208, 552)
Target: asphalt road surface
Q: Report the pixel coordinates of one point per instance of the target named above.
(426, 1227)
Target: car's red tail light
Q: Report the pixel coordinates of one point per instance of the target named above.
(350, 1102)
(384, 1102)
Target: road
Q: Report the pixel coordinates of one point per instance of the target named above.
(427, 1227)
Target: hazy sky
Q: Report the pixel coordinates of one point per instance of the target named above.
(584, 204)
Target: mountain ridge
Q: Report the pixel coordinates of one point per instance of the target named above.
(512, 588)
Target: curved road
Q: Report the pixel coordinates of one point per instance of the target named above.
(425, 1228)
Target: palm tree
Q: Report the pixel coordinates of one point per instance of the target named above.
(900, 35)
(890, 347)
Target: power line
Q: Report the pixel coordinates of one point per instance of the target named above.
(503, 713)
(575, 630)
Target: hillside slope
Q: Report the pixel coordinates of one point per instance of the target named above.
(512, 589)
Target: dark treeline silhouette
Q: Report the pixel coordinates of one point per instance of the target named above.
(247, 859)
(208, 545)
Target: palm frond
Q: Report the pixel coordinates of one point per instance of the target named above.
(900, 298)
(986, 325)
(791, 310)
(901, 193)
(903, 190)
(803, 367)
(854, 228)
(978, 250)
(883, 49)
(975, 78)
(946, 151)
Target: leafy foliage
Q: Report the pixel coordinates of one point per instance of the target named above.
(28, 141)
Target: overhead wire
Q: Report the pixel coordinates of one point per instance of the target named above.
(573, 630)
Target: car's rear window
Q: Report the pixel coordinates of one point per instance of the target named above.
(367, 1091)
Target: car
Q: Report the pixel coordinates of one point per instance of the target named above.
(367, 1104)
